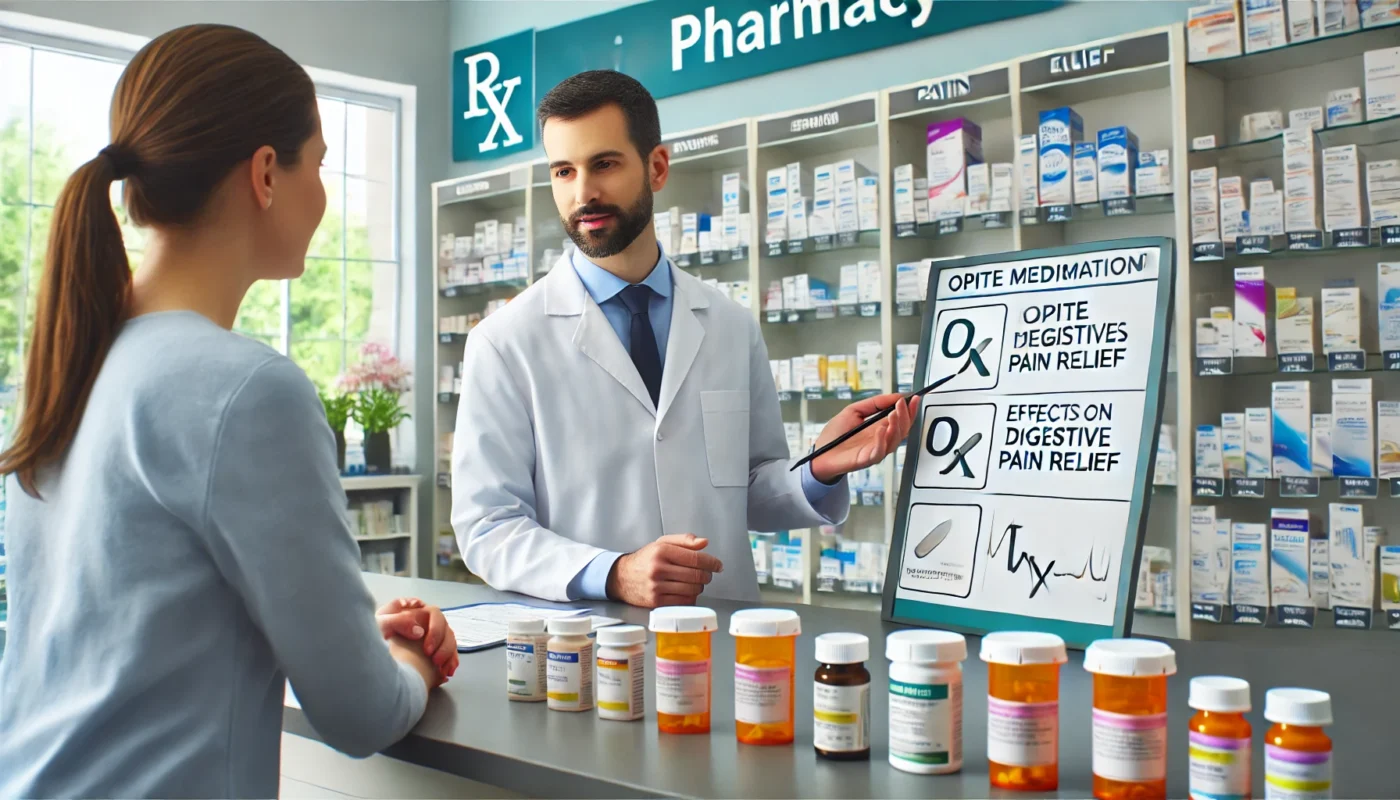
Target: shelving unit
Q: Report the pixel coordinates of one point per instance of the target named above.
(399, 535)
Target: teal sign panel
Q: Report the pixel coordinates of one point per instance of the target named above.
(679, 46)
(493, 98)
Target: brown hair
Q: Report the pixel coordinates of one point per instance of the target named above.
(190, 106)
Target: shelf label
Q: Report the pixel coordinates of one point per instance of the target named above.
(1298, 486)
(1065, 65)
(475, 187)
(450, 291)
(862, 586)
(739, 254)
(444, 397)
(444, 480)
(1349, 488)
(870, 309)
(1207, 251)
(1247, 487)
(786, 397)
(1351, 237)
(682, 259)
(1246, 614)
(1207, 487)
(1351, 617)
(1119, 207)
(795, 246)
(950, 226)
(1395, 487)
(842, 116)
(848, 310)
(1215, 366)
(1296, 362)
(824, 312)
(1253, 245)
(872, 498)
(1030, 216)
(773, 316)
(812, 393)
(1305, 240)
(1390, 235)
(792, 316)
(1059, 213)
(775, 249)
(445, 338)
(843, 393)
(904, 230)
(906, 308)
(953, 89)
(1392, 618)
(1295, 616)
(707, 258)
(904, 388)
(1208, 612)
(704, 143)
(996, 219)
(1346, 361)
(823, 243)
(1391, 359)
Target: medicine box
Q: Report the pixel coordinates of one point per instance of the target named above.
(1299, 181)
(1378, 13)
(1388, 304)
(952, 146)
(1343, 107)
(1261, 125)
(1251, 303)
(1205, 199)
(1292, 433)
(869, 281)
(906, 283)
(777, 205)
(799, 179)
(1249, 564)
(849, 293)
(1341, 188)
(1232, 444)
(1293, 321)
(1322, 445)
(1234, 216)
(797, 217)
(1353, 448)
(979, 189)
(1301, 20)
(1266, 215)
(1388, 439)
(1337, 16)
(1383, 191)
(904, 175)
(1213, 31)
(1086, 173)
(1311, 118)
(1265, 25)
(1026, 164)
(1060, 130)
(1001, 188)
(1382, 82)
(1341, 319)
(1210, 461)
(1289, 550)
(1154, 175)
(868, 202)
(1258, 442)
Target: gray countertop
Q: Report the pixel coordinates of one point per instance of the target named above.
(472, 730)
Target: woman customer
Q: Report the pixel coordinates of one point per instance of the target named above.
(177, 534)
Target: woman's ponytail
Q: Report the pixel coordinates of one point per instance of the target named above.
(82, 302)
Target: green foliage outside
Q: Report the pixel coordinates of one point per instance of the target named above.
(323, 317)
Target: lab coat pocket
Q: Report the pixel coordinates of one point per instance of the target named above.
(727, 436)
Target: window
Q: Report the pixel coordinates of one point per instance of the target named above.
(54, 116)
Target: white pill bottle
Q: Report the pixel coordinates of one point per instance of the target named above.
(926, 700)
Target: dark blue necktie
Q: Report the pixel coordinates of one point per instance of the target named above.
(645, 356)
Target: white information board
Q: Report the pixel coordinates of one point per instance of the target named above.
(1025, 484)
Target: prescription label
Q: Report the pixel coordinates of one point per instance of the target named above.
(926, 722)
(682, 687)
(620, 683)
(1023, 734)
(1296, 775)
(1219, 767)
(841, 718)
(762, 694)
(525, 670)
(570, 680)
(1130, 747)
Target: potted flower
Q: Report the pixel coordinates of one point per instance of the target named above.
(376, 383)
(338, 407)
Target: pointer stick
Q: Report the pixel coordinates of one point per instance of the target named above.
(885, 412)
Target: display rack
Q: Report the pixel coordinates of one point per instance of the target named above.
(1220, 94)
(384, 520)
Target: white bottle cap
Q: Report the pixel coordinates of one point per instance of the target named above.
(1219, 694)
(1130, 658)
(1298, 707)
(842, 648)
(932, 647)
(622, 635)
(1023, 647)
(571, 626)
(764, 622)
(683, 619)
(525, 625)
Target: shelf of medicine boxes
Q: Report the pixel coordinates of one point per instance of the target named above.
(396, 535)
(695, 206)
(500, 195)
(1137, 81)
(812, 139)
(1219, 95)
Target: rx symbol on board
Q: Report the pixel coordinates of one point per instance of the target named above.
(974, 354)
(488, 89)
(960, 451)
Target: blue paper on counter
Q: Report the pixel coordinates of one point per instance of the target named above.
(481, 626)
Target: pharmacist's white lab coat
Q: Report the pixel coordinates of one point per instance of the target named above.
(559, 453)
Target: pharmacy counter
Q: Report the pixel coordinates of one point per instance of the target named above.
(473, 731)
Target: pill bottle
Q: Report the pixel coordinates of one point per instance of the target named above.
(683, 667)
(926, 683)
(1130, 717)
(1023, 709)
(841, 697)
(765, 653)
(622, 672)
(1297, 754)
(526, 646)
(1219, 750)
(570, 675)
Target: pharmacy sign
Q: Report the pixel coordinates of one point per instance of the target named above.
(493, 98)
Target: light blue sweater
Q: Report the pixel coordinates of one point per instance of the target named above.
(189, 554)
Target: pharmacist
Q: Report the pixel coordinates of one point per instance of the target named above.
(619, 431)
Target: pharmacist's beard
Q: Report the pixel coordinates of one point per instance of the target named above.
(624, 230)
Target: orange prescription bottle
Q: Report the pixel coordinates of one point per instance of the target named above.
(765, 655)
(1297, 754)
(1023, 709)
(683, 667)
(1220, 739)
(1130, 717)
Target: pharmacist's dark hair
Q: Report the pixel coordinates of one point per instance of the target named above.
(190, 107)
(589, 91)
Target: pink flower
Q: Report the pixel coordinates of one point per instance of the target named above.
(378, 368)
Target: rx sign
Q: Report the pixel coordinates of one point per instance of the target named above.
(493, 98)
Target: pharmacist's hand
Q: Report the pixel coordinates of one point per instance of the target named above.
(412, 619)
(871, 445)
(671, 571)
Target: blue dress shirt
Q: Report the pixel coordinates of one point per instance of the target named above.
(591, 582)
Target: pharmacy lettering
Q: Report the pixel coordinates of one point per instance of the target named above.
(493, 98)
(1027, 498)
